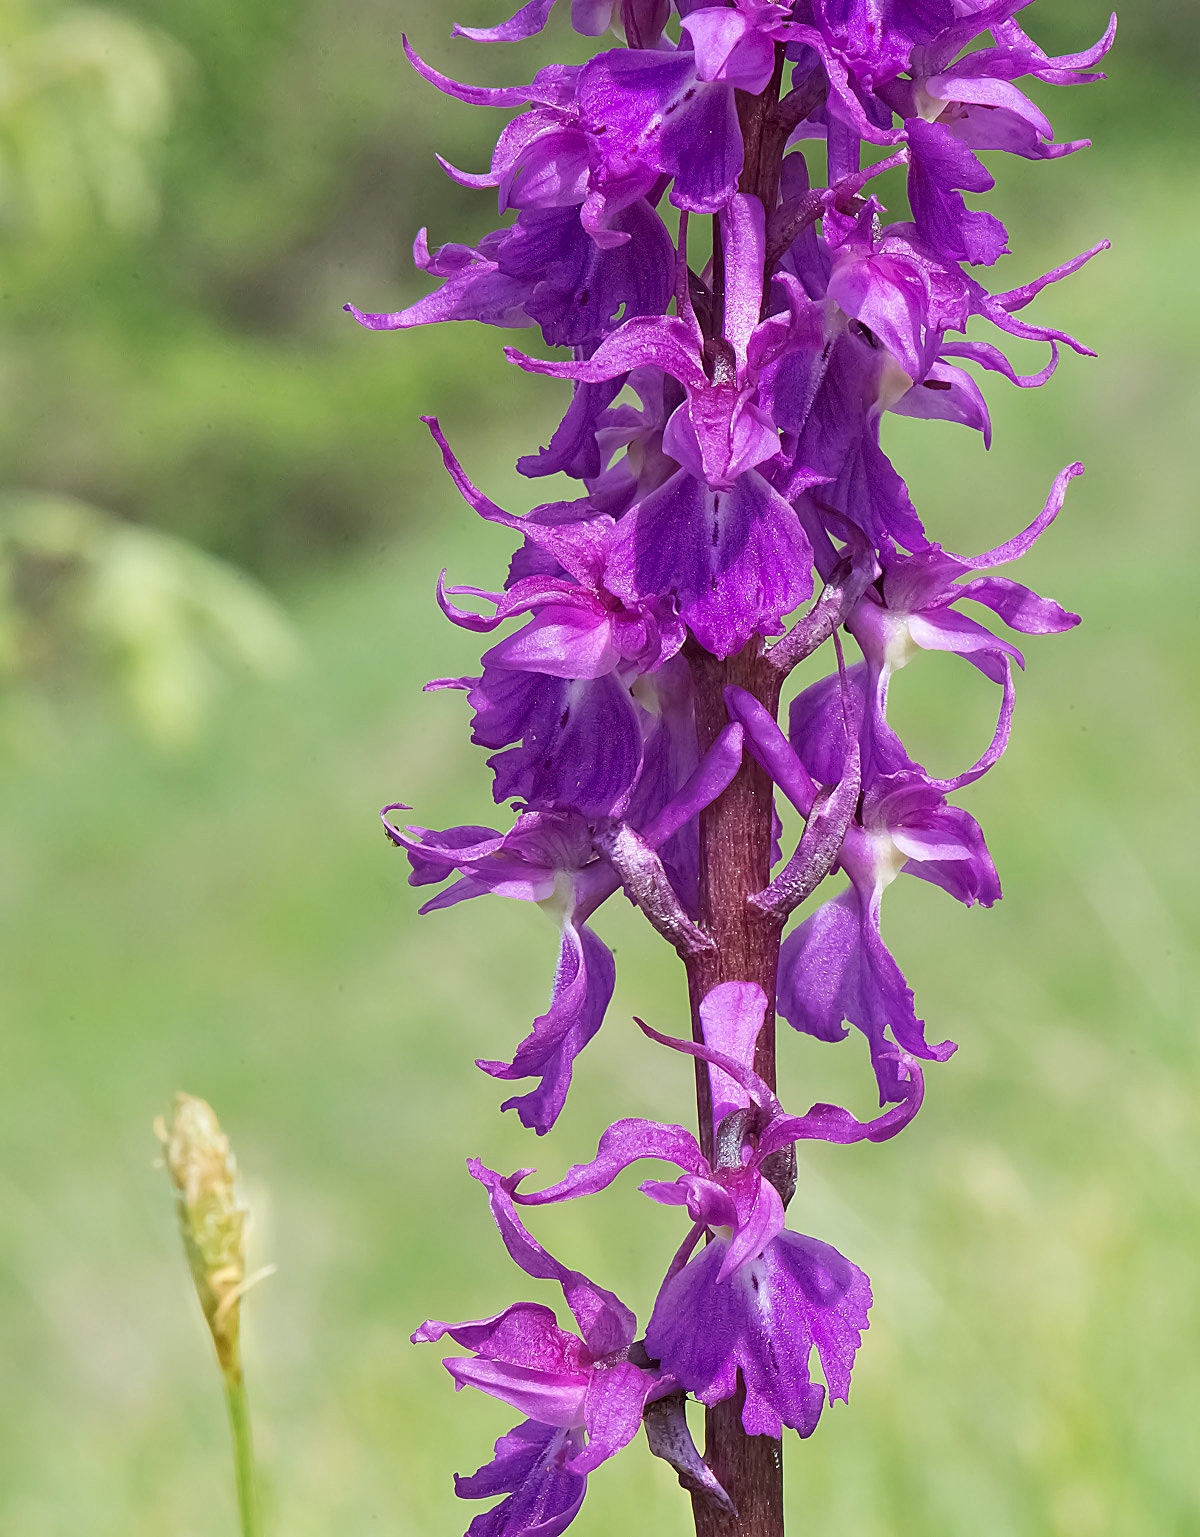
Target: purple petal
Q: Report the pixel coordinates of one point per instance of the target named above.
(530, 1465)
(1017, 546)
(836, 1297)
(561, 642)
(708, 1204)
(605, 1322)
(624, 1142)
(715, 773)
(1019, 607)
(581, 744)
(476, 291)
(835, 967)
(941, 166)
(771, 748)
(840, 445)
(553, 86)
(664, 343)
(720, 434)
(731, 1015)
(433, 855)
(729, 48)
(969, 876)
(1018, 298)
(760, 1092)
(526, 1334)
(890, 296)
(996, 747)
(552, 170)
(765, 1320)
(992, 358)
(550, 1398)
(831, 1123)
(583, 988)
(844, 104)
(573, 449)
(999, 96)
(654, 109)
(735, 561)
(527, 22)
(943, 629)
(616, 1396)
(948, 394)
(579, 548)
(760, 1219)
(576, 288)
(817, 722)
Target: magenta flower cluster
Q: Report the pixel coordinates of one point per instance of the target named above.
(724, 426)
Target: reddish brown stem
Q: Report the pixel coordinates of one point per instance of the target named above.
(735, 862)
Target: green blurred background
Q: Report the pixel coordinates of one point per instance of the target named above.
(195, 893)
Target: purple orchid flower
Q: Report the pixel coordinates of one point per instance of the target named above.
(757, 1298)
(545, 270)
(953, 109)
(891, 281)
(672, 112)
(835, 966)
(715, 537)
(887, 349)
(551, 859)
(581, 1394)
(560, 687)
(912, 608)
(547, 858)
(975, 99)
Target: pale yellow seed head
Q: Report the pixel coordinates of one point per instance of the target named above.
(213, 1217)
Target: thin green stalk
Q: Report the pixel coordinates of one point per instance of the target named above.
(243, 1454)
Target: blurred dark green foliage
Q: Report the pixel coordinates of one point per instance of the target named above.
(200, 375)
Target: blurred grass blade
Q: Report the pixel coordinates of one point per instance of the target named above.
(213, 1222)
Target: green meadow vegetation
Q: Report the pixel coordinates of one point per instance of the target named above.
(227, 918)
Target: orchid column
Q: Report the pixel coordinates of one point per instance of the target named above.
(734, 334)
